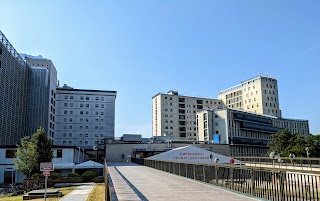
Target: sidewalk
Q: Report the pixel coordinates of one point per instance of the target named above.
(79, 194)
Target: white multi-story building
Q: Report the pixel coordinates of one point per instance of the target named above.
(247, 133)
(84, 117)
(175, 115)
(258, 95)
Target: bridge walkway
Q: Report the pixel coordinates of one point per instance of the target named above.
(135, 182)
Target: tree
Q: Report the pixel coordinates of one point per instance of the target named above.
(297, 145)
(31, 152)
(26, 156)
(280, 142)
(43, 147)
(313, 142)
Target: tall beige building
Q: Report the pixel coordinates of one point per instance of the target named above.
(174, 115)
(258, 95)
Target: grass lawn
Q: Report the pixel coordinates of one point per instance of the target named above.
(64, 191)
(97, 193)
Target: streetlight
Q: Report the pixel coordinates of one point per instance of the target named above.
(292, 156)
(94, 164)
(274, 156)
(307, 150)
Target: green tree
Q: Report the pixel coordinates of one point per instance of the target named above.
(280, 142)
(26, 156)
(313, 142)
(43, 147)
(297, 145)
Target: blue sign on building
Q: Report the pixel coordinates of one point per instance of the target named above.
(216, 139)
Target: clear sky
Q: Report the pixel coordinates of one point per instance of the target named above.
(140, 48)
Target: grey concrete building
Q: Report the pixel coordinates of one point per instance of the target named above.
(42, 94)
(84, 117)
(14, 94)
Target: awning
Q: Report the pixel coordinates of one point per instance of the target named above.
(61, 166)
(88, 165)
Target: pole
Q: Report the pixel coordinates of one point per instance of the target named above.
(45, 190)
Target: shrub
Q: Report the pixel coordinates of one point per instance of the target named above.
(55, 175)
(88, 175)
(35, 176)
(72, 174)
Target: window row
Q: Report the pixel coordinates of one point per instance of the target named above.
(80, 135)
(84, 127)
(83, 112)
(82, 105)
(82, 98)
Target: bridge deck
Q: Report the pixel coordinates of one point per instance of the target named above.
(135, 182)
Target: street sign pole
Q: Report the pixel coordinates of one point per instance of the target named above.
(45, 188)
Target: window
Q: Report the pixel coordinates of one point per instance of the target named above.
(96, 135)
(85, 142)
(70, 142)
(65, 119)
(87, 98)
(64, 134)
(216, 124)
(80, 135)
(102, 98)
(71, 104)
(87, 127)
(64, 142)
(9, 153)
(65, 112)
(102, 113)
(87, 112)
(81, 97)
(70, 127)
(65, 97)
(81, 112)
(64, 127)
(59, 153)
(70, 119)
(102, 106)
(71, 112)
(71, 97)
(81, 104)
(80, 142)
(97, 98)
(96, 105)
(81, 120)
(86, 135)
(87, 105)
(70, 134)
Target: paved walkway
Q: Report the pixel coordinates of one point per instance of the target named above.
(135, 182)
(79, 194)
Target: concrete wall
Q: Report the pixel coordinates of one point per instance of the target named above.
(115, 151)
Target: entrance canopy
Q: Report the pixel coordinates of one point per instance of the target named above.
(192, 154)
(88, 165)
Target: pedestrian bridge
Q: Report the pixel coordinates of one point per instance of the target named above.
(130, 181)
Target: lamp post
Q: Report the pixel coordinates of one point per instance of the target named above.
(79, 155)
(307, 150)
(94, 165)
(274, 156)
(292, 156)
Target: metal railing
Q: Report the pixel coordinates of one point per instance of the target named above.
(284, 163)
(109, 189)
(266, 183)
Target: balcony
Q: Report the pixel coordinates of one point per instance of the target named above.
(182, 117)
(182, 106)
(199, 101)
(182, 111)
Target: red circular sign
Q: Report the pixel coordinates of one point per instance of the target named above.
(232, 161)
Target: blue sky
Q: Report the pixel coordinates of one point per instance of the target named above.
(140, 48)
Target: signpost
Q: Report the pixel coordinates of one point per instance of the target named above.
(46, 168)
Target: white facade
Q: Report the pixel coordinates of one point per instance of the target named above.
(258, 95)
(84, 117)
(65, 158)
(247, 133)
(175, 115)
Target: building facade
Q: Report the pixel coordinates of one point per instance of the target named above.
(258, 95)
(84, 117)
(175, 115)
(43, 93)
(247, 133)
(14, 94)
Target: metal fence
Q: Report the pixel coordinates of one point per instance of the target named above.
(266, 183)
(109, 189)
(283, 162)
